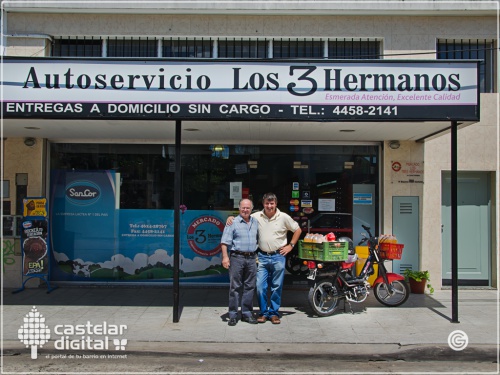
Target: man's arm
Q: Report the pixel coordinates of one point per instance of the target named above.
(225, 257)
(289, 247)
(296, 236)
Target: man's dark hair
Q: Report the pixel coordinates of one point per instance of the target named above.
(269, 197)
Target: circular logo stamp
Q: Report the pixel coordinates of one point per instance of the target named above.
(204, 235)
(458, 340)
(396, 166)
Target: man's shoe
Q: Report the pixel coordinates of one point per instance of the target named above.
(249, 319)
(262, 319)
(275, 319)
(232, 322)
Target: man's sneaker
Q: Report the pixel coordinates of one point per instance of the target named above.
(232, 322)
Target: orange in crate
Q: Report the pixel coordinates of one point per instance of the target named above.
(390, 250)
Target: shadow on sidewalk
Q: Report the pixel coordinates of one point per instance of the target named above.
(189, 295)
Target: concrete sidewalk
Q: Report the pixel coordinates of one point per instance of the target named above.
(423, 321)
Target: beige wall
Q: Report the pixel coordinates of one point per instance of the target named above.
(477, 151)
(19, 158)
(400, 34)
(33, 47)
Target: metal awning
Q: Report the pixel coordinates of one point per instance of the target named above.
(228, 132)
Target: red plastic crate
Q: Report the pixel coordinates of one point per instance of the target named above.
(390, 250)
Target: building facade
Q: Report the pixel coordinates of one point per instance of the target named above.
(330, 175)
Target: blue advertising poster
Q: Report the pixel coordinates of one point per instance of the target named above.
(147, 244)
(93, 240)
(82, 215)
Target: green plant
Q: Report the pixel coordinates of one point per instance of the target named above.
(419, 276)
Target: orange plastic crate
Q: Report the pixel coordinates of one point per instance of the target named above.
(390, 250)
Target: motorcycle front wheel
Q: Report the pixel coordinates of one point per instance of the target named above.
(324, 297)
(399, 295)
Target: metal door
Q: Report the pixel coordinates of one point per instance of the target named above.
(474, 207)
(405, 226)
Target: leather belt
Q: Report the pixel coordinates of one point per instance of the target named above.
(243, 253)
(269, 252)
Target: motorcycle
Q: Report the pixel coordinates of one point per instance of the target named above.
(332, 281)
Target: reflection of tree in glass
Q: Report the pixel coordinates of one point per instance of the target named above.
(34, 332)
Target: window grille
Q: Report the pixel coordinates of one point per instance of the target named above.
(295, 48)
(241, 48)
(77, 47)
(128, 47)
(181, 47)
(353, 49)
(340, 48)
(471, 49)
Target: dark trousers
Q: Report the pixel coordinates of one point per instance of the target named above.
(242, 275)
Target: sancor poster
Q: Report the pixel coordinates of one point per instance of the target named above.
(93, 240)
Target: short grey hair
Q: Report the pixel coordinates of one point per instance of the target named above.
(246, 199)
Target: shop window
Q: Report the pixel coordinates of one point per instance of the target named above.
(146, 172)
(96, 236)
(353, 49)
(472, 49)
(77, 47)
(241, 48)
(127, 47)
(192, 48)
(295, 48)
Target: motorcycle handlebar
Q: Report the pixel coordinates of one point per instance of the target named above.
(367, 228)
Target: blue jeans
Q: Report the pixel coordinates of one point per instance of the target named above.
(270, 273)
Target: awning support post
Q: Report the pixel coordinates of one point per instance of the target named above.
(177, 218)
(454, 223)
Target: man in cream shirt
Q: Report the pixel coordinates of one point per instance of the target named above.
(273, 248)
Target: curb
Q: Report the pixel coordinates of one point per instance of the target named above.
(342, 352)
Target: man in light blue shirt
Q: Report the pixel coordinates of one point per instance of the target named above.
(241, 236)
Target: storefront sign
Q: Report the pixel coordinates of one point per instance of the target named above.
(293, 90)
(407, 172)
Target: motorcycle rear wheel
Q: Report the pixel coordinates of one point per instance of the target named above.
(324, 297)
(401, 292)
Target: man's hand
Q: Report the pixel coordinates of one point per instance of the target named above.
(286, 249)
(225, 262)
(229, 220)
